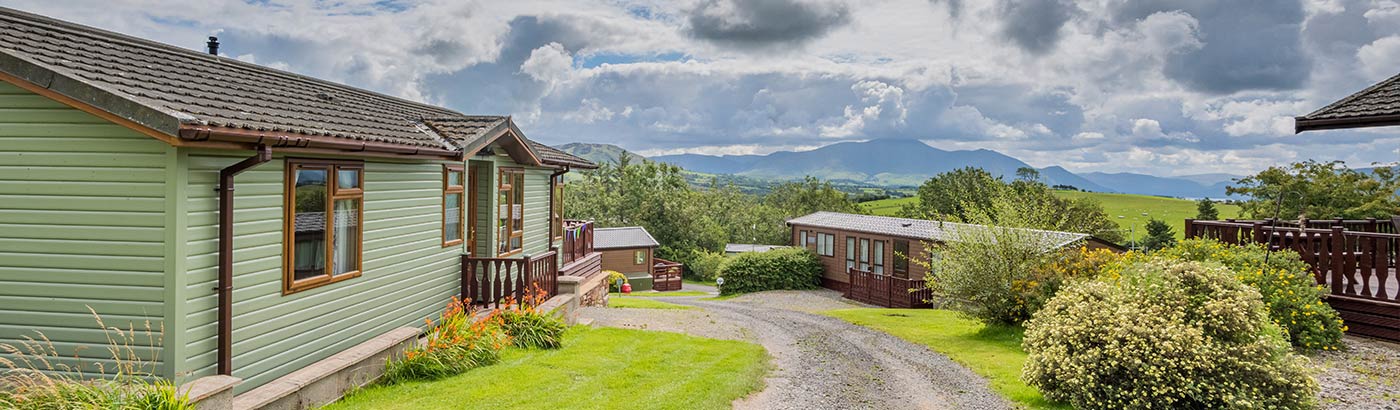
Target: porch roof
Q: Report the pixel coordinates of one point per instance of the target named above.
(1375, 106)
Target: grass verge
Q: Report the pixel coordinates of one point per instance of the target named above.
(992, 352)
(628, 302)
(601, 368)
(674, 293)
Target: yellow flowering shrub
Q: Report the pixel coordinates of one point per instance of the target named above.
(1291, 293)
(1163, 334)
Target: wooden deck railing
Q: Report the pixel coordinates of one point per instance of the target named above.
(578, 240)
(887, 291)
(489, 281)
(1358, 268)
(666, 275)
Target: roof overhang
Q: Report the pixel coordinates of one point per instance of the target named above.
(1301, 124)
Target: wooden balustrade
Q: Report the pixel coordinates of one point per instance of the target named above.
(578, 240)
(887, 291)
(489, 281)
(1358, 268)
(666, 275)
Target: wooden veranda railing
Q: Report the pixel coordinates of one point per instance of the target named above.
(489, 281)
(666, 275)
(887, 291)
(578, 240)
(1357, 268)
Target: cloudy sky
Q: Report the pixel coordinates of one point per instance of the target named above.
(1163, 87)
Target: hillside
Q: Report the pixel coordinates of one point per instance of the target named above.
(909, 162)
(1126, 209)
(598, 153)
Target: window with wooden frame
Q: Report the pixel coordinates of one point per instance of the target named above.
(556, 209)
(454, 201)
(510, 212)
(901, 258)
(639, 257)
(802, 238)
(850, 252)
(322, 229)
(878, 260)
(864, 254)
(826, 244)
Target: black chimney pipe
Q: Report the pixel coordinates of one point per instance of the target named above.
(213, 45)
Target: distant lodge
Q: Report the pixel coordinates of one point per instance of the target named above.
(883, 245)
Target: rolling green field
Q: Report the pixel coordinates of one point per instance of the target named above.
(1126, 209)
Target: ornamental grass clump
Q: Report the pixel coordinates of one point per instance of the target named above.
(1286, 283)
(454, 344)
(34, 375)
(528, 326)
(787, 268)
(1164, 334)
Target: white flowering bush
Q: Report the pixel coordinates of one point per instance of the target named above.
(1164, 334)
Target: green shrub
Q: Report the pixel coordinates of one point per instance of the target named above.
(1286, 283)
(996, 275)
(530, 328)
(455, 344)
(705, 266)
(613, 277)
(1165, 334)
(790, 268)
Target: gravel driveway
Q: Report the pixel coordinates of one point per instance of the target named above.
(820, 362)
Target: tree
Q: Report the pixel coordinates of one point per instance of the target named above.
(1319, 190)
(1205, 210)
(809, 195)
(1159, 235)
(957, 195)
(1027, 174)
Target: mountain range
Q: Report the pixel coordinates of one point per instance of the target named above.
(906, 162)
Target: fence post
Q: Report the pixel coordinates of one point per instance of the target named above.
(1190, 231)
(1371, 224)
(1260, 236)
(1338, 254)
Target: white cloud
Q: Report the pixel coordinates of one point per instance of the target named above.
(1381, 58)
(549, 64)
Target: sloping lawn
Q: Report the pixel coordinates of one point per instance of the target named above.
(642, 303)
(673, 293)
(993, 352)
(597, 368)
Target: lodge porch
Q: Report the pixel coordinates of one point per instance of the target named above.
(1357, 267)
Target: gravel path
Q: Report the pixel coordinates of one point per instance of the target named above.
(1365, 376)
(820, 362)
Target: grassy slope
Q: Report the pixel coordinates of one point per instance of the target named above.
(993, 352)
(630, 302)
(1129, 206)
(597, 368)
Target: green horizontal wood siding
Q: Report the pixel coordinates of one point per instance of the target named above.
(536, 238)
(408, 275)
(82, 230)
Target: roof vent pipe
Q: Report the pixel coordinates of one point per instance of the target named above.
(213, 45)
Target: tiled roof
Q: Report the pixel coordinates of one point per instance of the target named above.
(468, 131)
(918, 229)
(1377, 105)
(628, 237)
(164, 87)
(554, 156)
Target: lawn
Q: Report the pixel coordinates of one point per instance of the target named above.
(1129, 206)
(633, 302)
(601, 368)
(993, 352)
(665, 294)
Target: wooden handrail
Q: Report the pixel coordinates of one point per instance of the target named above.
(489, 281)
